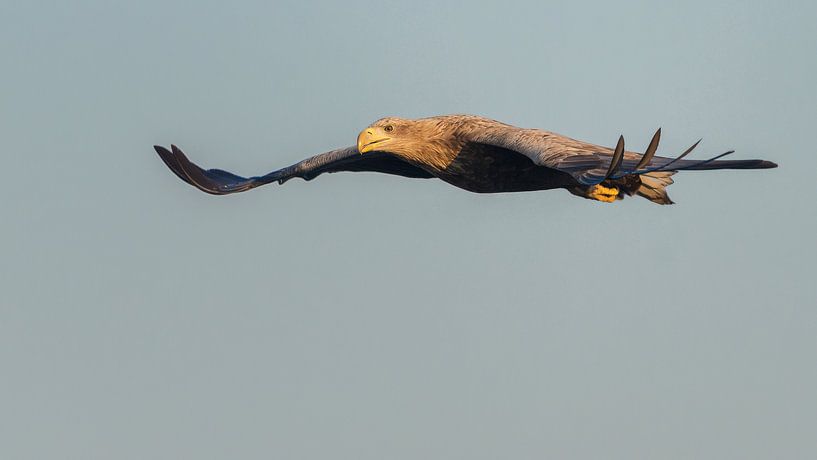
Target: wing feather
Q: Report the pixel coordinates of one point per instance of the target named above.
(588, 163)
(220, 182)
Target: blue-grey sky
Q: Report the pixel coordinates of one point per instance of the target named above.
(361, 316)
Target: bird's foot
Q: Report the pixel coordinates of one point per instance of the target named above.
(602, 193)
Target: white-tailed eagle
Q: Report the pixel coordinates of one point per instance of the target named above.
(479, 155)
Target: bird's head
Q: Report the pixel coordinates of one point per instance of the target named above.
(384, 134)
(428, 141)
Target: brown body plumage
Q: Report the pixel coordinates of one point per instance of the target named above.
(479, 155)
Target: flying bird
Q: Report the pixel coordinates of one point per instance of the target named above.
(479, 155)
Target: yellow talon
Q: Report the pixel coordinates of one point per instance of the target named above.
(602, 193)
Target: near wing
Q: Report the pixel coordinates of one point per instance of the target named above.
(219, 182)
(592, 164)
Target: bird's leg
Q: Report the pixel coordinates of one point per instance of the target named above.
(602, 193)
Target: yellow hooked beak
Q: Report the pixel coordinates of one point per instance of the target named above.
(369, 138)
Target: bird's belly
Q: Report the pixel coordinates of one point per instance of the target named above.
(484, 169)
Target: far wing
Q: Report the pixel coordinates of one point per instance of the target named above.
(220, 182)
(588, 163)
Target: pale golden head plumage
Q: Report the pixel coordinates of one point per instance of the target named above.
(426, 141)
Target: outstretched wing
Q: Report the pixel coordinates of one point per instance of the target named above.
(220, 182)
(592, 164)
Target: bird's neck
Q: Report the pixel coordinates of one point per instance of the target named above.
(434, 153)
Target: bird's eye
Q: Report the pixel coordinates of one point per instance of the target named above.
(388, 128)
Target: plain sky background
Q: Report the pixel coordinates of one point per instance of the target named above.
(362, 316)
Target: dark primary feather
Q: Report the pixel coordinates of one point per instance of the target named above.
(220, 182)
(651, 149)
(618, 157)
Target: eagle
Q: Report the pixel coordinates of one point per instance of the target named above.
(480, 155)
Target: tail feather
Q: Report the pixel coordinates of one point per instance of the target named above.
(654, 186)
